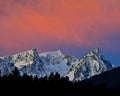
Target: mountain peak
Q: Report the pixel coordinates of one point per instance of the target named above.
(32, 63)
(58, 52)
(24, 58)
(97, 50)
(34, 50)
(91, 64)
(94, 52)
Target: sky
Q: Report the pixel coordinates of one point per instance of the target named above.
(72, 26)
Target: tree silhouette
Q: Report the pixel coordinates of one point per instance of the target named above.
(51, 77)
(15, 72)
(52, 85)
(57, 76)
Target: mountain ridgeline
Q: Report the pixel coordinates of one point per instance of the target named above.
(34, 64)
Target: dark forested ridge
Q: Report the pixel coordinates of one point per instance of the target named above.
(52, 85)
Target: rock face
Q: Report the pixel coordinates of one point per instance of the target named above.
(92, 64)
(27, 62)
(32, 63)
(5, 66)
(55, 61)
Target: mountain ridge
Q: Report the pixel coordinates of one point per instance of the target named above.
(32, 63)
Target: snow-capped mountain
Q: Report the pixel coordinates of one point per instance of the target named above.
(32, 63)
(56, 61)
(91, 64)
(27, 62)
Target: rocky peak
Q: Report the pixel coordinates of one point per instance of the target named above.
(91, 64)
(24, 58)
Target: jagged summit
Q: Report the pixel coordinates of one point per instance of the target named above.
(91, 64)
(56, 61)
(97, 50)
(23, 58)
(35, 64)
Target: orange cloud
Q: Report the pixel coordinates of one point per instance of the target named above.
(25, 24)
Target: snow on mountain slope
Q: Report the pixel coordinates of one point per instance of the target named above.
(27, 62)
(5, 66)
(92, 64)
(32, 63)
(23, 59)
(55, 61)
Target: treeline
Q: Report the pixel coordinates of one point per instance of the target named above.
(52, 85)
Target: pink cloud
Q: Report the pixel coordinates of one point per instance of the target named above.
(27, 24)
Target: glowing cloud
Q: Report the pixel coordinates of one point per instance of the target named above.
(45, 24)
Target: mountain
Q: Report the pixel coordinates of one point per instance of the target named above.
(35, 64)
(27, 62)
(56, 61)
(91, 64)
